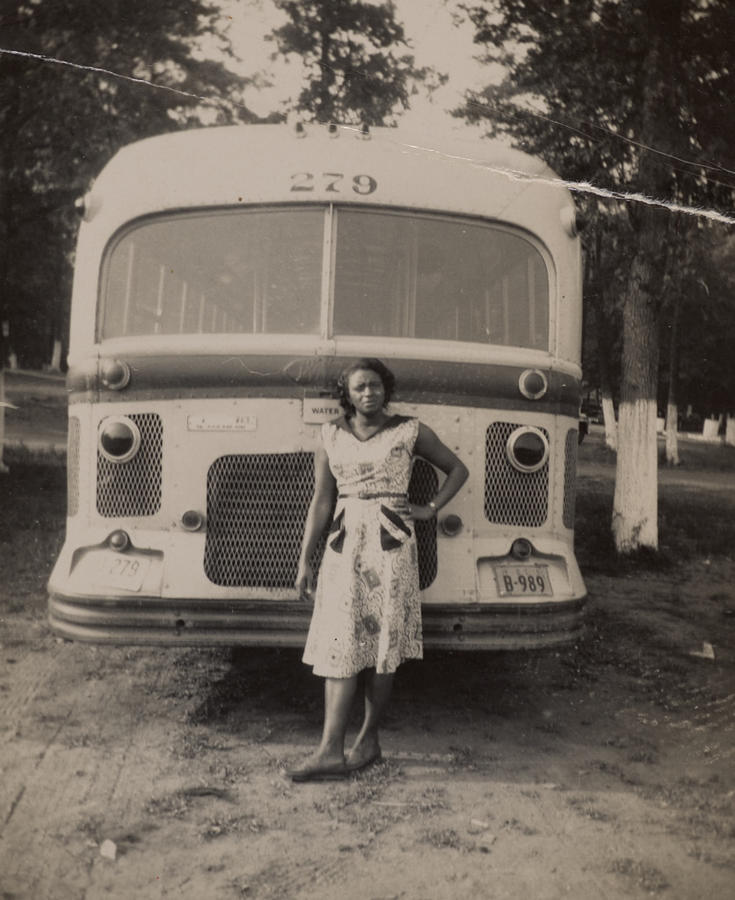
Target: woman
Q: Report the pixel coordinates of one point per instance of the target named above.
(367, 609)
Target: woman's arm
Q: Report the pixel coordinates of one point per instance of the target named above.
(438, 454)
(320, 511)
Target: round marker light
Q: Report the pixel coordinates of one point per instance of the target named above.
(119, 438)
(521, 549)
(527, 449)
(119, 541)
(192, 520)
(533, 384)
(451, 525)
(115, 374)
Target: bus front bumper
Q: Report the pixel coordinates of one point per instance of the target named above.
(283, 623)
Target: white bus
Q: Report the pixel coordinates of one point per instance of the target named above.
(224, 277)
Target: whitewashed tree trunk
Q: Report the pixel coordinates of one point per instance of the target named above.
(672, 406)
(635, 507)
(672, 436)
(56, 356)
(611, 426)
(635, 504)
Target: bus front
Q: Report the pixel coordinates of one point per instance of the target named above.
(223, 279)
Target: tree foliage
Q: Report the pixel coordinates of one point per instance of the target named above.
(354, 71)
(60, 123)
(632, 97)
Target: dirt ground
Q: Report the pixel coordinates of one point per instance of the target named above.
(602, 770)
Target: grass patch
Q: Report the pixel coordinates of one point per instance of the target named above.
(701, 456)
(691, 524)
(693, 455)
(33, 500)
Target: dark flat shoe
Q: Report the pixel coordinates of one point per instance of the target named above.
(319, 773)
(370, 761)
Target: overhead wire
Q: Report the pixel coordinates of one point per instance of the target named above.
(582, 187)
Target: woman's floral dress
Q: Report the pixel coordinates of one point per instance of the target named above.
(367, 609)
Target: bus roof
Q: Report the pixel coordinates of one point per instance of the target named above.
(256, 164)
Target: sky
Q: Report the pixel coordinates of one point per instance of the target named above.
(428, 25)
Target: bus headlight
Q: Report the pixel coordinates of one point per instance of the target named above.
(533, 384)
(118, 438)
(527, 449)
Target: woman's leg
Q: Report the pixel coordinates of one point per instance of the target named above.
(329, 757)
(338, 696)
(367, 745)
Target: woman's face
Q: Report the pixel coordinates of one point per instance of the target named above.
(366, 391)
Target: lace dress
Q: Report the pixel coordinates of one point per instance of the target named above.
(367, 608)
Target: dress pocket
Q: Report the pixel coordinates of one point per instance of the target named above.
(336, 537)
(393, 530)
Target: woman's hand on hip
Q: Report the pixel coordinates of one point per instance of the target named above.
(414, 512)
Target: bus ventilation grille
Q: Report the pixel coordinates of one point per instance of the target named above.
(256, 511)
(72, 467)
(423, 486)
(133, 488)
(570, 477)
(513, 497)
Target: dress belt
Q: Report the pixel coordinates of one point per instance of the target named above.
(371, 495)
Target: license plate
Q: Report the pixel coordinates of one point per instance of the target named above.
(523, 581)
(113, 570)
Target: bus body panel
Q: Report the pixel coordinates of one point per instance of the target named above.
(192, 537)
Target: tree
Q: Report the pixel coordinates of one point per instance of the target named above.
(59, 123)
(625, 97)
(353, 74)
(704, 364)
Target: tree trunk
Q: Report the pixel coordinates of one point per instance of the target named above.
(672, 406)
(606, 395)
(635, 505)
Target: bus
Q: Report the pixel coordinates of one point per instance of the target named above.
(224, 276)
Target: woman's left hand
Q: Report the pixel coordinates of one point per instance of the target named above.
(421, 513)
(414, 512)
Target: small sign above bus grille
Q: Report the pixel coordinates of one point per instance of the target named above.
(221, 422)
(318, 410)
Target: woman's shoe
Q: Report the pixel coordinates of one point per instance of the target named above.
(319, 773)
(357, 765)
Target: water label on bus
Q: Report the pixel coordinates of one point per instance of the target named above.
(117, 571)
(523, 581)
(221, 422)
(317, 410)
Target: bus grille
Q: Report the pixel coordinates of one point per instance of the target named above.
(72, 467)
(513, 497)
(133, 488)
(421, 489)
(256, 511)
(570, 477)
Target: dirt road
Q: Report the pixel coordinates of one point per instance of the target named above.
(602, 771)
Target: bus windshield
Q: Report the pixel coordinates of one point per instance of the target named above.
(390, 274)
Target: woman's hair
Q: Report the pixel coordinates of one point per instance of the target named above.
(372, 365)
